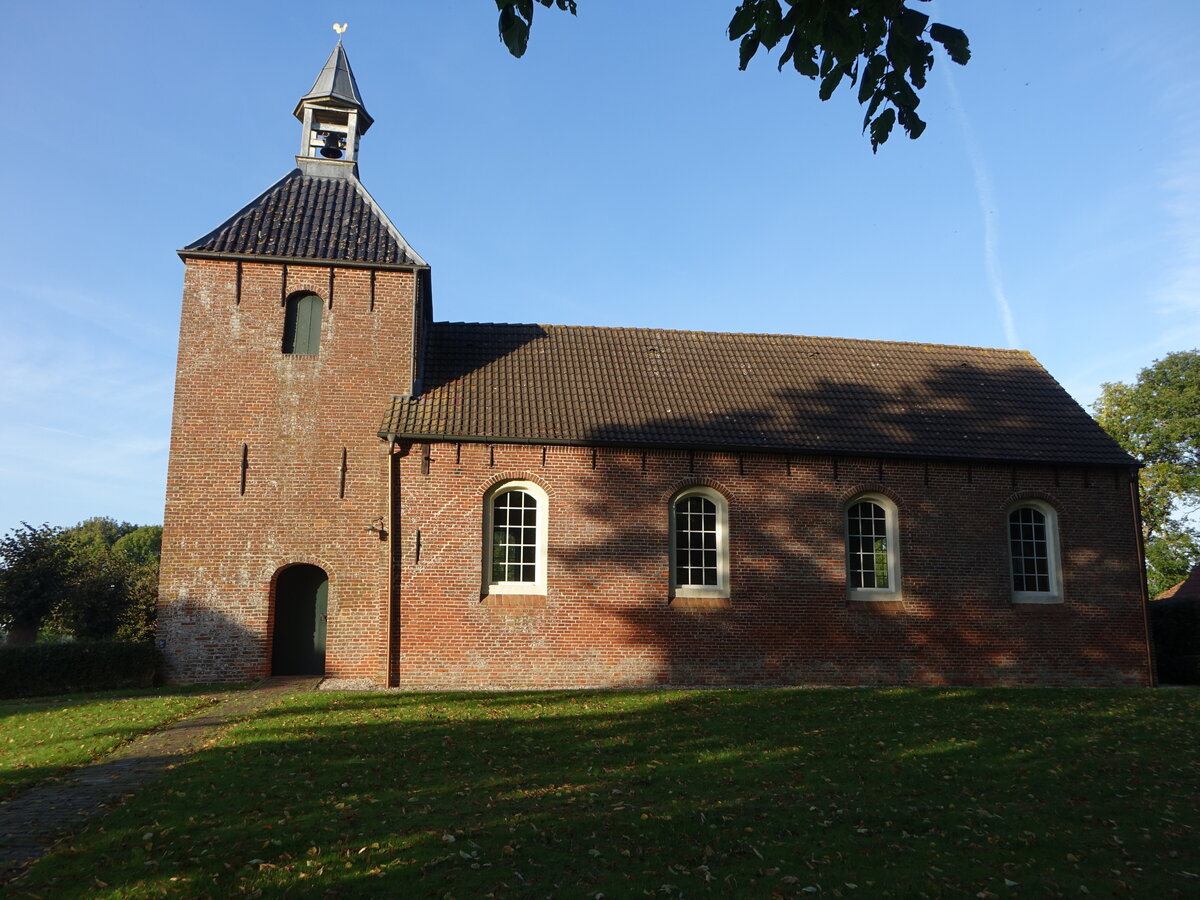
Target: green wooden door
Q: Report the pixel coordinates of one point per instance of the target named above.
(301, 605)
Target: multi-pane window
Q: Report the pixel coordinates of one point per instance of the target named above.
(1033, 553)
(699, 548)
(872, 550)
(515, 538)
(695, 542)
(302, 325)
(867, 545)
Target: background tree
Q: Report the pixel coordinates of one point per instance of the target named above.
(96, 535)
(1157, 419)
(36, 568)
(96, 580)
(880, 45)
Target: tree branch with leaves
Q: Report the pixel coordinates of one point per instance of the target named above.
(885, 47)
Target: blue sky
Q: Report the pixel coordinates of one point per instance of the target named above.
(622, 173)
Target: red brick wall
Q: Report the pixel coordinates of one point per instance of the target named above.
(222, 548)
(607, 619)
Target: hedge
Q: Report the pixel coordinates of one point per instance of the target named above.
(75, 667)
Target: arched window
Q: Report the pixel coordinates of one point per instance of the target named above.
(302, 325)
(699, 543)
(872, 549)
(1033, 553)
(515, 514)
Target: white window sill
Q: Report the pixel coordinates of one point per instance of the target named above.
(516, 587)
(688, 592)
(1033, 599)
(866, 595)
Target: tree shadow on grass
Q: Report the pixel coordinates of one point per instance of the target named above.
(719, 793)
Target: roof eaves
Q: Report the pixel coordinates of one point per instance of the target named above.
(391, 436)
(382, 217)
(256, 202)
(323, 263)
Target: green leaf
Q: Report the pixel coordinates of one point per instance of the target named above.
(881, 128)
(742, 21)
(954, 40)
(911, 123)
(899, 92)
(921, 64)
(876, 66)
(912, 23)
(876, 99)
(768, 18)
(747, 50)
(830, 82)
(899, 51)
(806, 64)
(514, 32)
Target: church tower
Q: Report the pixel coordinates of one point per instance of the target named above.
(303, 315)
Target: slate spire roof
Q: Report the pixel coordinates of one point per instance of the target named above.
(782, 393)
(336, 85)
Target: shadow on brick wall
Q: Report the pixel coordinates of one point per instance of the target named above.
(789, 618)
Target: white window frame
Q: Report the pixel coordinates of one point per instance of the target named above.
(892, 535)
(538, 585)
(721, 588)
(1053, 554)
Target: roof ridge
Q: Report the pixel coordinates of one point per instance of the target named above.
(765, 334)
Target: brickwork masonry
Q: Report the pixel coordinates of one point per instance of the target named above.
(607, 618)
(275, 461)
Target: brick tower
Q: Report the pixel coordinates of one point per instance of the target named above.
(302, 315)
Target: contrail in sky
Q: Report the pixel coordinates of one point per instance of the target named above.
(987, 205)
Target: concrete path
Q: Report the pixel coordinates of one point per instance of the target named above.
(33, 821)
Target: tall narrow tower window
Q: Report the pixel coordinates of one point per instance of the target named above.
(302, 325)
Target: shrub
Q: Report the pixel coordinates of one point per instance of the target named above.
(44, 669)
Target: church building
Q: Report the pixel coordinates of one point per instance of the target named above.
(359, 491)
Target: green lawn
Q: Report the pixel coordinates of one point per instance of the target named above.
(41, 738)
(845, 793)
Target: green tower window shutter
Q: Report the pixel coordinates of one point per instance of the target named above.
(302, 325)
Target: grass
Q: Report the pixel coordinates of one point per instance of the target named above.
(844, 793)
(43, 738)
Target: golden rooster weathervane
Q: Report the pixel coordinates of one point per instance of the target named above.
(340, 29)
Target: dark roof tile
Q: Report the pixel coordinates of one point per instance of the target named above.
(788, 393)
(306, 217)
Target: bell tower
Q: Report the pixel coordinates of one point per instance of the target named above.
(303, 315)
(333, 118)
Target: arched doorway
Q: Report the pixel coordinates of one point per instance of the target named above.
(298, 641)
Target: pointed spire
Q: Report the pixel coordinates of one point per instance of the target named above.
(335, 86)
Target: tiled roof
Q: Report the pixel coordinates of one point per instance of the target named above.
(306, 217)
(643, 387)
(1189, 588)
